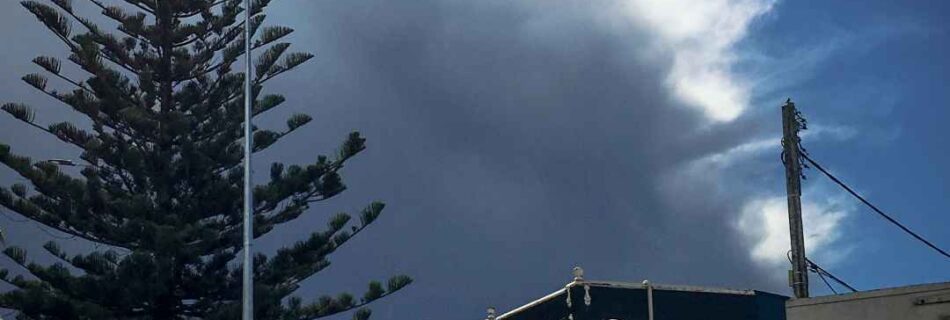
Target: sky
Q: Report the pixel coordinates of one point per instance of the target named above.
(638, 139)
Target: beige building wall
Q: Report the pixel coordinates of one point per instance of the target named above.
(920, 302)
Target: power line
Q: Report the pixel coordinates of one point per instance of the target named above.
(878, 211)
(822, 277)
(821, 271)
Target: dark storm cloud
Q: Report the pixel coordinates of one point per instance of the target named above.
(511, 140)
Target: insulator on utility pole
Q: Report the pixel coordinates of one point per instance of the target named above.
(791, 125)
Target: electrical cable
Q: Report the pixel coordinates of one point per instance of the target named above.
(826, 282)
(820, 270)
(878, 211)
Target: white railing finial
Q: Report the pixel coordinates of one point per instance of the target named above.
(578, 274)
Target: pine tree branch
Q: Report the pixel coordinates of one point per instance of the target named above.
(94, 116)
(138, 3)
(305, 258)
(44, 13)
(78, 85)
(192, 14)
(216, 66)
(95, 29)
(91, 264)
(54, 225)
(186, 42)
(319, 314)
(230, 38)
(63, 138)
(227, 237)
(316, 312)
(12, 284)
(56, 279)
(210, 26)
(80, 145)
(135, 3)
(108, 123)
(95, 72)
(230, 165)
(323, 251)
(4, 277)
(232, 120)
(33, 212)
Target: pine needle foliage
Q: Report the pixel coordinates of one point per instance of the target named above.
(162, 180)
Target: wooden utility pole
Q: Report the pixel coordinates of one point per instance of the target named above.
(791, 125)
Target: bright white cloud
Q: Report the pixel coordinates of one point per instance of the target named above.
(728, 157)
(700, 39)
(764, 222)
(723, 159)
(701, 36)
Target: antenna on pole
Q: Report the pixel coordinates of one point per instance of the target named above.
(791, 154)
(248, 283)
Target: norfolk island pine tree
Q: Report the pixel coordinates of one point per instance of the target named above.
(163, 176)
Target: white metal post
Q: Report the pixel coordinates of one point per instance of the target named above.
(248, 283)
(649, 288)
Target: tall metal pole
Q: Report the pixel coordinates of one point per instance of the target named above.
(793, 186)
(248, 294)
(649, 287)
